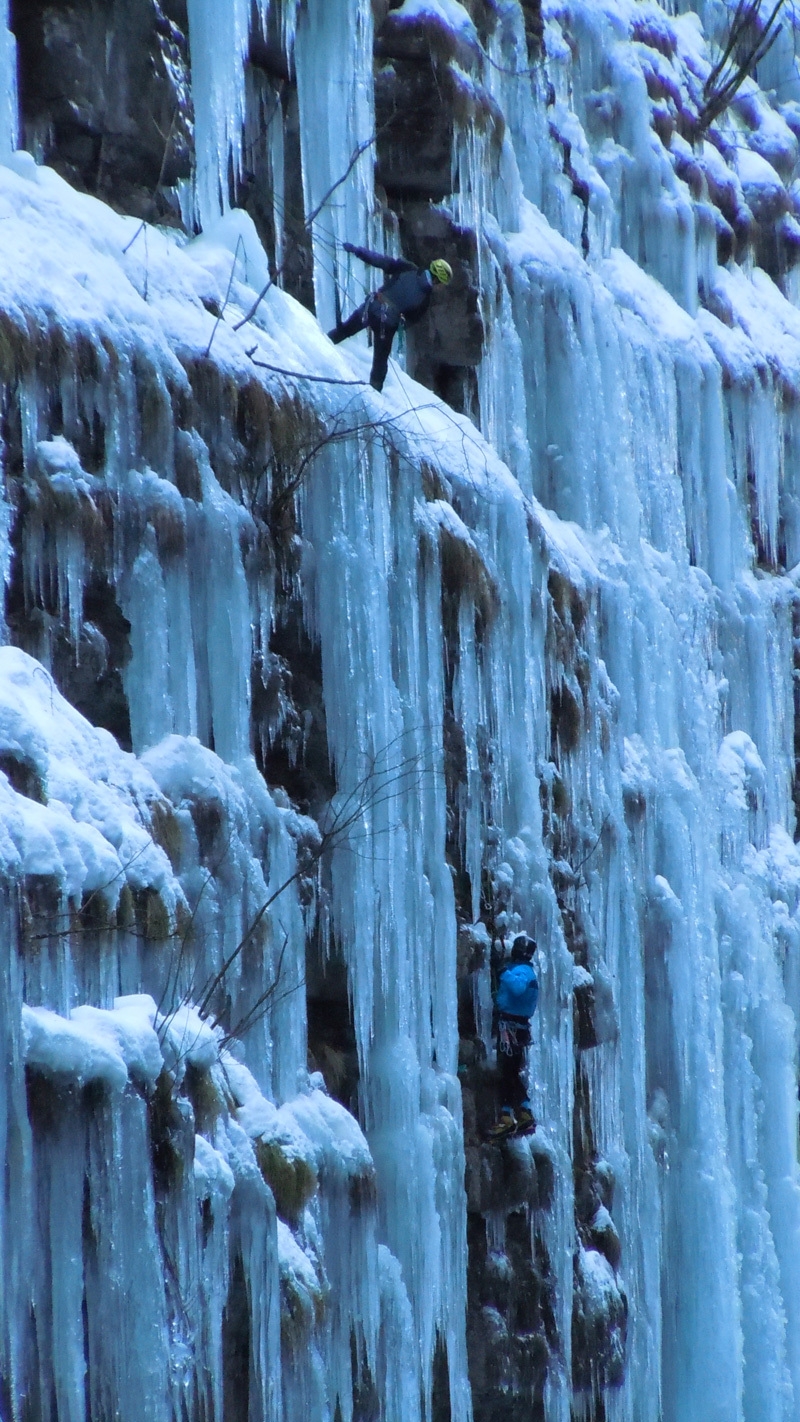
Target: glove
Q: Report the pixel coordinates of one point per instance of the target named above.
(348, 247)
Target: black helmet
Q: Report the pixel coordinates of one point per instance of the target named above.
(523, 948)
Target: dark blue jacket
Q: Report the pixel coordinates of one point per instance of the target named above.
(408, 293)
(517, 991)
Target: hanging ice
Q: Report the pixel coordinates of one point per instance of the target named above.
(544, 668)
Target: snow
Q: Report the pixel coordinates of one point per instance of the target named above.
(742, 768)
(56, 1045)
(757, 176)
(188, 1040)
(448, 12)
(95, 1044)
(89, 834)
(600, 1285)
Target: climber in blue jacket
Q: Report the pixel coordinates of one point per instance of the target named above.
(404, 298)
(515, 1003)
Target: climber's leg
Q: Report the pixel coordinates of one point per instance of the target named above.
(383, 332)
(350, 327)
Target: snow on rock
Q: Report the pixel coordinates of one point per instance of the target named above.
(188, 1040)
(450, 12)
(742, 769)
(84, 827)
(762, 186)
(302, 1289)
(83, 1051)
(336, 1139)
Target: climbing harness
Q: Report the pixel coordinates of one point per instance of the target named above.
(512, 1036)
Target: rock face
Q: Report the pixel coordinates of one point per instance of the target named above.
(105, 98)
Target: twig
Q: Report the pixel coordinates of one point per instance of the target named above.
(141, 228)
(249, 1018)
(719, 91)
(184, 938)
(227, 295)
(312, 217)
(355, 804)
(588, 856)
(301, 374)
(167, 142)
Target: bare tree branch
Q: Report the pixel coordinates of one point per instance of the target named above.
(748, 41)
(310, 220)
(227, 296)
(372, 790)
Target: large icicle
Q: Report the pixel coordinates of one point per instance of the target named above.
(333, 57)
(8, 86)
(218, 37)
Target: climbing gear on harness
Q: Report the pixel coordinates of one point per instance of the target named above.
(512, 1036)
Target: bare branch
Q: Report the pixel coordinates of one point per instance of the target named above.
(227, 295)
(745, 46)
(310, 220)
(373, 789)
(301, 374)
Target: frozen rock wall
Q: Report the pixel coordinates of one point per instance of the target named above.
(308, 695)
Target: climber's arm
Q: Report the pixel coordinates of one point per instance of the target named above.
(391, 265)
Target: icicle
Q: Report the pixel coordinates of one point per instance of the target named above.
(333, 59)
(218, 40)
(8, 87)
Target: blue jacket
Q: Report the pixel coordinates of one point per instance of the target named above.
(408, 292)
(517, 991)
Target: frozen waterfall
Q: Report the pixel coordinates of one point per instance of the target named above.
(309, 695)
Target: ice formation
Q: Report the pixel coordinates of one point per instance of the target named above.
(558, 646)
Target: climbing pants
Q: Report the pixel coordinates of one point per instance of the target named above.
(383, 321)
(513, 1040)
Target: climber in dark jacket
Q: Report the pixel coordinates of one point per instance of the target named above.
(515, 1003)
(404, 298)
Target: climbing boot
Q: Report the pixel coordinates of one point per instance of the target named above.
(526, 1122)
(505, 1127)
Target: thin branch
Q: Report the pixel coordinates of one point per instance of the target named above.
(720, 89)
(128, 245)
(355, 804)
(301, 374)
(167, 142)
(310, 220)
(227, 296)
(588, 856)
(265, 1003)
(184, 938)
(249, 1018)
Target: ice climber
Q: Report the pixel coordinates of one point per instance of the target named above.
(402, 300)
(515, 1003)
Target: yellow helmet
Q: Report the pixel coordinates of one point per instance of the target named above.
(441, 271)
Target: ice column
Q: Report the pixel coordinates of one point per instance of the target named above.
(333, 57)
(219, 32)
(393, 904)
(8, 86)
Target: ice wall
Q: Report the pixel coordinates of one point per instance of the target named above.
(556, 650)
(8, 122)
